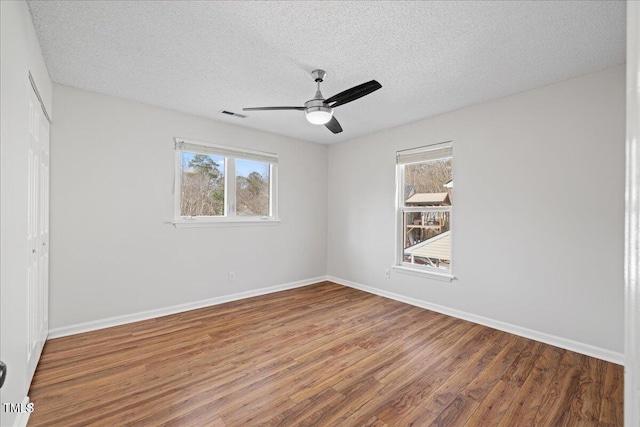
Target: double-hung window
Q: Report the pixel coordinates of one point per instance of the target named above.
(424, 209)
(216, 184)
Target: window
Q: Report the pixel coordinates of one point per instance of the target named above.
(425, 198)
(224, 185)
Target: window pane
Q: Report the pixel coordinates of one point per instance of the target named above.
(252, 188)
(427, 238)
(427, 183)
(427, 234)
(201, 184)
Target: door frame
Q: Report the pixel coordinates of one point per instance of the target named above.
(632, 221)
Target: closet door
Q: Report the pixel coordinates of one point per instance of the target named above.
(37, 233)
(43, 213)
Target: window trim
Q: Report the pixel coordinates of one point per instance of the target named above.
(405, 157)
(229, 218)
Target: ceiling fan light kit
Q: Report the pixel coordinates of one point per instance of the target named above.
(318, 115)
(319, 111)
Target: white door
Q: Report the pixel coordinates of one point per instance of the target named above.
(37, 233)
(43, 252)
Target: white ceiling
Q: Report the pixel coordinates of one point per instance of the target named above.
(430, 57)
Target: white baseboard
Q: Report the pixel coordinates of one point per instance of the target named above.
(567, 344)
(136, 317)
(23, 417)
(578, 347)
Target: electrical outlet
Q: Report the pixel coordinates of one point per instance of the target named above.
(387, 273)
(232, 276)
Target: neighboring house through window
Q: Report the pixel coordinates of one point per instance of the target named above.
(217, 184)
(424, 208)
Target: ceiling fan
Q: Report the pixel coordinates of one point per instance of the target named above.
(319, 111)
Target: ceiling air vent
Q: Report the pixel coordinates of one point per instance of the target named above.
(231, 113)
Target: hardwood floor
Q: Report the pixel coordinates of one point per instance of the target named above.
(322, 355)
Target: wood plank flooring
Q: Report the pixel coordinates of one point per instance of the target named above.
(322, 355)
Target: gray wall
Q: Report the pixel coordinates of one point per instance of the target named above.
(113, 252)
(538, 209)
(538, 215)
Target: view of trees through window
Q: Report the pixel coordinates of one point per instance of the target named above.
(429, 177)
(427, 213)
(201, 185)
(252, 188)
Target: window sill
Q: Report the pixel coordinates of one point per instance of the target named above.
(443, 277)
(226, 223)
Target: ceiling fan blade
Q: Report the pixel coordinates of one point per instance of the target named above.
(272, 108)
(333, 125)
(353, 93)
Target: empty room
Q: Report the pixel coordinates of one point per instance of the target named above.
(319, 213)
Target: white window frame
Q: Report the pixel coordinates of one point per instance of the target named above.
(230, 154)
(405, 157)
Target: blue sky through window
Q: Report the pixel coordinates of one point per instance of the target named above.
(187, 156)
(243, 167)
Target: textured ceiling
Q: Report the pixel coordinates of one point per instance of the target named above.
(430, 57)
